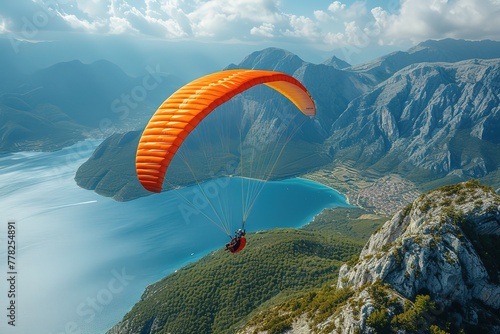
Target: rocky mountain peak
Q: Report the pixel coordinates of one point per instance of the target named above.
(446, 50)
(452, 50)
(336, 62)
(272, 59)
(443, 245)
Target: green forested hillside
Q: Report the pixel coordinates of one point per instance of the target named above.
(222, 291)
(466, 213)
(43, 128)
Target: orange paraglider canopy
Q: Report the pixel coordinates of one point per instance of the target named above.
(187, 107)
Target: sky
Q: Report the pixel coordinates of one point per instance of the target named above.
(355, 31)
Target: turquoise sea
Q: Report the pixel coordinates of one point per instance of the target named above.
(83, 260)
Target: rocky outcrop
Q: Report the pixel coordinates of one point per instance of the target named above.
(433, 247)
(337, 63)
(435, 116)
(438, 117)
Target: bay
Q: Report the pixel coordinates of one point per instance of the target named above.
(83, 260)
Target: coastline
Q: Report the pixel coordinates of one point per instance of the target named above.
(147, 238)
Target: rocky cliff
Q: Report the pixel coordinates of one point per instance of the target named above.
(429, 120)
(432, 268)
(444, 245)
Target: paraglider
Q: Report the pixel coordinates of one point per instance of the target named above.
(238, 242)
(181, 113)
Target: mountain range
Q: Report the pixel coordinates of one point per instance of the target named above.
(428, 114)
(70, 101)
(436, 119)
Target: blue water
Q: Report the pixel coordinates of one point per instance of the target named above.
(83, 260)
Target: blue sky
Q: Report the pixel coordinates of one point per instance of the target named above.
(356, 31)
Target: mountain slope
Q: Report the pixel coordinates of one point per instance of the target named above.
(428, 121)
(271, 59)
(336, 62)
(83, 91)
(446, 50)
(431, 268)
(90, 99)
(331, 87)
(118, 151)
(216, 294)
(45, 127)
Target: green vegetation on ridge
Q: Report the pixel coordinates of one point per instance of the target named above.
(320, 304)
(222, 291)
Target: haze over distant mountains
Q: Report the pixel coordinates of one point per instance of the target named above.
(70, 101)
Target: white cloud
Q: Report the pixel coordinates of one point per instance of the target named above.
(3, 26)
(302, 27)
(350, 23)
(357, 25)
(81, 24)
(174, 10)
(93, 8)
(336, 6)
(266, 30)
(322, 16)
(356, 35)
(120, 25)
(342, 25)
(417, 20)
(332, 38)
(227, 19)
(154, 23)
